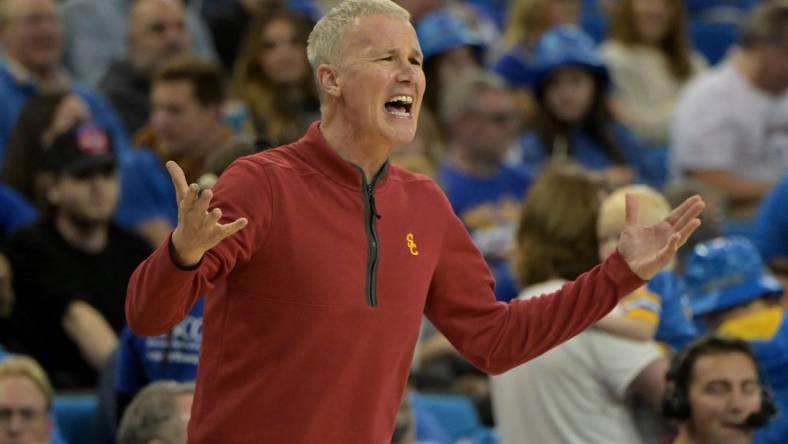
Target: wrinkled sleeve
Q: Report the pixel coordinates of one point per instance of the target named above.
(160, 294)
(496, 336)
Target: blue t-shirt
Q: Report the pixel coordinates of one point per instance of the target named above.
(15, 94)
(142, 360)
(770, 234)
(15, 211)
(585, 151)
(490, 209)
(773, 360)
(146, 191)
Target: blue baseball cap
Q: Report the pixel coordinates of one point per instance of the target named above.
(442, 30)
(563, 46)
(726, 272)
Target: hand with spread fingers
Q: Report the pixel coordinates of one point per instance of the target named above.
(198, 227)
(648, 249)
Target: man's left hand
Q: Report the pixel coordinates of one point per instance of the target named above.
(648, 249)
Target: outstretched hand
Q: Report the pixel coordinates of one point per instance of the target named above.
(648, 249)
(198, 228)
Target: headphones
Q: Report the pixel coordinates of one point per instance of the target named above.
(675, 403)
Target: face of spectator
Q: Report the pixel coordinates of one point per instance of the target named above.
(380, 61)
(653, 19)
(453, 64)
(32, 34)
(283, 55)
(724, 390)
(489, 127)
(157, 31)
(89, 198)
(562, 12)
(570, 93)
(71, 110)
(180, 122)
(23, 414)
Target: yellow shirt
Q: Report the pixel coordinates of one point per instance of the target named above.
(642, 304)
(757, 326)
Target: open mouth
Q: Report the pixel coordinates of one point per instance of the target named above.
(399, 106)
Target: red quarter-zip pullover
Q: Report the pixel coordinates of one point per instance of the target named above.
(313, 310)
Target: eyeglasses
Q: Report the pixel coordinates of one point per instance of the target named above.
(27, 415)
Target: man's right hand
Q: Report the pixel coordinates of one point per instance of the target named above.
(198, 229)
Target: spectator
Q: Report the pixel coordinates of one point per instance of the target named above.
(156, 32)
(771, 228)
(186, 126)
(716, 394)
(25, 402)
(577, 392)
(173, 356)
(40, 120)
(731, 293)
(229, 21)
(650, 60)
(729, 128)
(31, 35)
(159, 413)
(481, 121)
(71, 268)
(96, 35)
(528, 21)
(450, 48)
(659, 309)
(570, 83)
(272, 79)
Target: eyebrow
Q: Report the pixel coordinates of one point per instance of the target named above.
(391, 51)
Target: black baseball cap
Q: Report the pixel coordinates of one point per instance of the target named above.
(82, 149)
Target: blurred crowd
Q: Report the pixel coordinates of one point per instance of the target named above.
(539, 118)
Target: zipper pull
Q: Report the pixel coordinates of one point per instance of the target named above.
(372, 206)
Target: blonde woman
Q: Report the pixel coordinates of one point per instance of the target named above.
(650, 60)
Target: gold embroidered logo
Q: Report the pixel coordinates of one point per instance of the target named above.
(412, 245)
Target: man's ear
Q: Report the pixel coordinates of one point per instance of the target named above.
(327, 79)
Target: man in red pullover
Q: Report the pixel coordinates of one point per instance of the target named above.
(318, 260)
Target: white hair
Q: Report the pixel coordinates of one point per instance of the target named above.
(153, 414)
(325, 40)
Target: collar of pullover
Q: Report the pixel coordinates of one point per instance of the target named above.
(318, 153)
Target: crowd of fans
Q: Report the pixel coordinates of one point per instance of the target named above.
(539, 117)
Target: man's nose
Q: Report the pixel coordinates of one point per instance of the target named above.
(738, 401)
(15, 425)
(407, 71)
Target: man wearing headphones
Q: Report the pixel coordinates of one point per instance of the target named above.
(715, 392)
(731, 292)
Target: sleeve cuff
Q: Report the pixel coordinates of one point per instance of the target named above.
(174, 257)
(623, 277)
